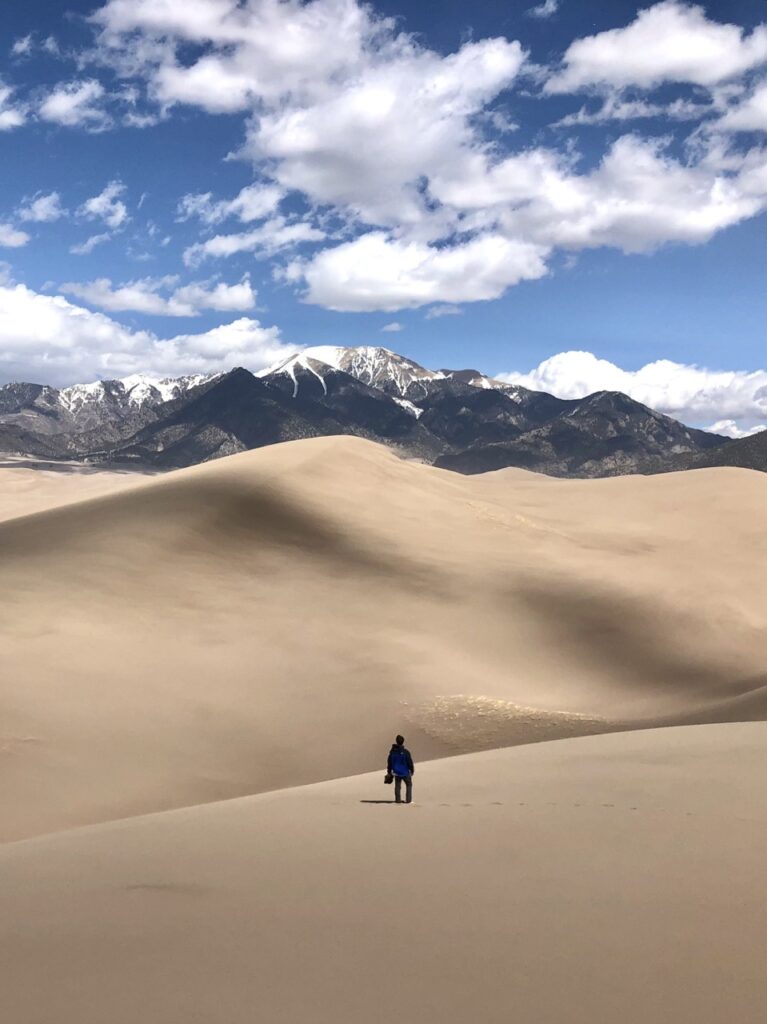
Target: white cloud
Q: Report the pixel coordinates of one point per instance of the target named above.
(615, 108)
(42, 208)
(107, 206)
(669, 42)
(376, 272)
(434, 312)
(748, 116)
(76, 104)
(11, 237)
(271, 237)
(67, 343)
(692, 394)
(544, 10)
(11, 116)
(145, 296)
(264, 50)
(254, 202)
(87, 247)
(23, 46)
(731, 429)
(393, 328)
(387, 139)
(26, 45)
(367, 146)
(344, 108)
(636, 199)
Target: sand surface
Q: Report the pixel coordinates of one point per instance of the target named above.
(271, 619)
(30, 485)
(588, 881)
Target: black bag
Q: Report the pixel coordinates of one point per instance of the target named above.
(388, 779)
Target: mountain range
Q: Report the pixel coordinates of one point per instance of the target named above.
(460, 420)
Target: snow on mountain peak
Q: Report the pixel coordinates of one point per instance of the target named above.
(137, 390)
(373, 365)
(301, 360)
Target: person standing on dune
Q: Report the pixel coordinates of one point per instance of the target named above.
(400, 765)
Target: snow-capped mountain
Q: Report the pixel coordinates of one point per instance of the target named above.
(135, 391)
(111, 406)
(373, 365)
(480, 380)
(296, 367)
(459, 419)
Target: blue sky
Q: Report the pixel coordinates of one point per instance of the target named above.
(569, 194)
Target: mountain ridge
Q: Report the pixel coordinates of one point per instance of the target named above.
(462, 420)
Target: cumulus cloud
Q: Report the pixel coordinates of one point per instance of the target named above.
(637, 198)
(76, 104)
(107, 206)
(377, 272)
(146, 296)
(388, 140)
(254, 202)
(344, 108)
(367, 146)
(271, 237)
(750, 115)
(693, 394)
(42, 208)
(75, 344)
(393, 328)
(731, 429)
(11, 237)
(669, 42)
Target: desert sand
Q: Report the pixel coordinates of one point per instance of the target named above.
(588, 881)
(272, 619)
(202, 672)
(29, 484)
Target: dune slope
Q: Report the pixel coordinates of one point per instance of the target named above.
(588, 880)
(271, 619)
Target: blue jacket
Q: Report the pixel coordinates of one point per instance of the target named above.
(400, 762)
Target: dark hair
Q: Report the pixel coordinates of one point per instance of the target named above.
(400, 740)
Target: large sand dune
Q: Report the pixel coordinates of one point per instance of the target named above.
(587, 881)
(273, 618)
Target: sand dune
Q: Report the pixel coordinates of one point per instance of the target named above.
(594, 880)
(270, 619)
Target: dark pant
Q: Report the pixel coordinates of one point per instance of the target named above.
(408, 780)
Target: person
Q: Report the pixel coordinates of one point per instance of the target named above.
(400, 765)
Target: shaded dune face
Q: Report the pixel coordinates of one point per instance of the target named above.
(271, 619)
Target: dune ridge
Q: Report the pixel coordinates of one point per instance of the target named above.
(265, 620)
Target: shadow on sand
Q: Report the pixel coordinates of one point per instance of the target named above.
(378, 801)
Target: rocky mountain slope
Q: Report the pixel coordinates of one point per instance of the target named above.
(458, 419)
(605, 434)
(746, 452)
